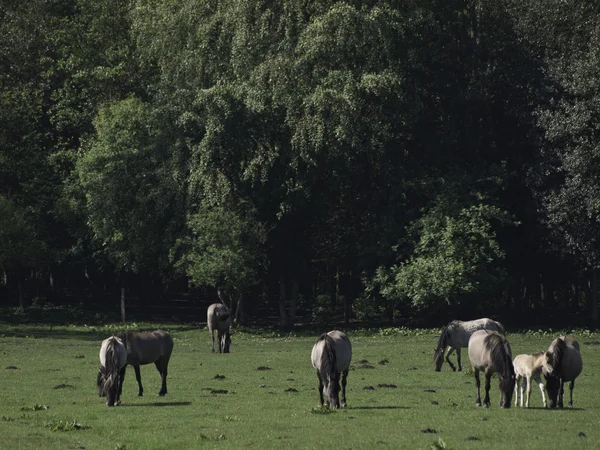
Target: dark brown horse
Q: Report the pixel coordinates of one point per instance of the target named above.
(145, 348)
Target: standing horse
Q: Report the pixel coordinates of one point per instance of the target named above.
(456, 335)
(113, 358)
(489, 351)
(145, 348)
(562, 363)
(528, 367)
(331, 356)
(219, 319)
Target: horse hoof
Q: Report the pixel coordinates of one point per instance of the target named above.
(478, 404)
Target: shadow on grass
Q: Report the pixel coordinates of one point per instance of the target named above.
(379, 407)
(159, 404)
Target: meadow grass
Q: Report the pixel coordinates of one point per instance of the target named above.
(263, 395)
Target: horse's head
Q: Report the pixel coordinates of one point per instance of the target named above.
(507, 386)
(225, 341)
(438, 358)
(552, 387)
(100, 382)
(332, 389)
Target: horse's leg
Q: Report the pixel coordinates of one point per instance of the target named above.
(448, 353)
(219, 336)
(458, 359)
(161, 366)
(541, 385)
(516, 394)
(120, 389)
(561, 392)
(528, 391)
(344, 376)
(571, 386)
(486, 400)
(321, 386)
(478, 384)
(138, 377)
(212, 335)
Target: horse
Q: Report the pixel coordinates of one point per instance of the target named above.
(145, 348)
(456, 335)
(331, 356)
(219, 319)
(113, 358)
(562, 362)
(528, 367)
(490, 351)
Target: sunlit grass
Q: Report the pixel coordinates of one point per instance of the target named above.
(263, 395)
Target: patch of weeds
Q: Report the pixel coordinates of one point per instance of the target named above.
(366, 366)
(383, 362)
(230, 419)
(263, 368)
(291, 390)
(321, 410)
(385, 385)
(440, 444)
(429, 430)
(36, 407)
(219, 377)
(121, 447)
(12, 368)
(219, 391)
(64, 386)
(63, 425)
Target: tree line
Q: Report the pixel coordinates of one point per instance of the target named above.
(364, 158)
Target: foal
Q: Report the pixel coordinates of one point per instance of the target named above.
(528, 367)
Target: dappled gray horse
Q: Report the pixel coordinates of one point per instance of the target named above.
(490, 352)
(562, 363)
(219, 319)
(113, 358)
(331, 357)
(455, 336)
(145, 348)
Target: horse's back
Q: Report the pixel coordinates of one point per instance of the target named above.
(343, 350)
(479, 347)
(572, 362)
(146, 347)
(118, 348)
(528, 365)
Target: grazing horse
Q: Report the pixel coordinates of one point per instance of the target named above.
(331, 356)
(113, 358)
(219, 319)
(456, 335)
(528, 367)
(489, 351)
(562, 362)
(145, 348)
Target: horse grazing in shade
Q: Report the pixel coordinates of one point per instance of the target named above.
(219, 319)
(490, 352)
(456, 335)
(562, 362)
(113, 358)
(145, 348)
(331, 356)
(527, 368)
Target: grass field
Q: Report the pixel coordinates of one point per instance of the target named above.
(263, 395)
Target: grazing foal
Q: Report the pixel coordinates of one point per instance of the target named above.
(528, 367)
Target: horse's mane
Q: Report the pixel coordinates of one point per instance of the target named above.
(557, 348)
(328, 357)
(500, 354)
(443, 338)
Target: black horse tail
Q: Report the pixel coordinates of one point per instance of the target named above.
(443, 338)
(328, 356)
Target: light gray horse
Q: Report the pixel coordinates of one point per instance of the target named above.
(490, 352)
(562, 363)
(145, 348)
(527, 368)
(219, 319)
(331, 357)
(113, 358)
(456, 335)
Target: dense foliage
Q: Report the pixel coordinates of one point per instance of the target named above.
(432, 157)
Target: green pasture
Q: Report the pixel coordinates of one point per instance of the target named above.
(263, 395)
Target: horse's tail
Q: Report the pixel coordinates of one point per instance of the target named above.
(328, 356)
(500, 327)
(111, 361)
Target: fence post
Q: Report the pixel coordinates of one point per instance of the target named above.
(123, 305)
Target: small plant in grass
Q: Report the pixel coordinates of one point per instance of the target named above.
(321, 410)
(36, 407)
(62, 425)
(440, 444)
